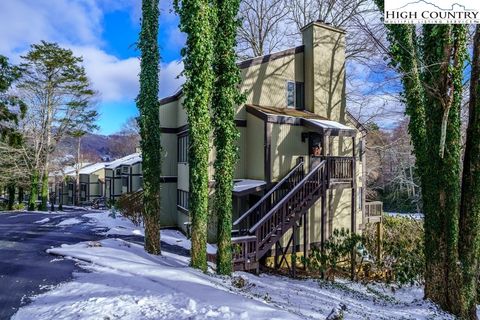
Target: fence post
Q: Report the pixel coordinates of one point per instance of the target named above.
(379, 239)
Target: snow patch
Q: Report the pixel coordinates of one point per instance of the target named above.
(42, 221)
(69, 222)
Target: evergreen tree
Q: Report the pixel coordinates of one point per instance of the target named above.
(59, 97)
(225, 98)
(196, 20)
(149, 123)
(11, 107)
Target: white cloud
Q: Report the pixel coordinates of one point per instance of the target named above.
(115, 79)
(170, 79)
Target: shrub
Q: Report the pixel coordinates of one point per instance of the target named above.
(130, 206)
(336, 257)
(403, 259)
(19, 206)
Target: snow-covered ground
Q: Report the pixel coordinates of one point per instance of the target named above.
(127, 283)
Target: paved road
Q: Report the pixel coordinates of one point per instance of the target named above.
(25, 268)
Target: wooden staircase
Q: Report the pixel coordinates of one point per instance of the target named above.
(281, 209)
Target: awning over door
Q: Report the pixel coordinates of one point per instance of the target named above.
(329, 127)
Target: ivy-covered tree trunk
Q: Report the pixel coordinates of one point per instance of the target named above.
(469, 242)
(149, 123)
(431, 72)
(225, 98)
(196, 21)
(44, 192)
(444, 53)
(32, 201)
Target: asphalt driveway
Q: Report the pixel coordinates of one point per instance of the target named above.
(25, 268)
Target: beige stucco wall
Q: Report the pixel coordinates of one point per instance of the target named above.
(266, 84)
(168, 205)
(168, 114)
(286, 148)
(325, 71)
(255, 144)
(169, 159)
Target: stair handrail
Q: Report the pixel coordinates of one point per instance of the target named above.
(268, 194)
(287, 196)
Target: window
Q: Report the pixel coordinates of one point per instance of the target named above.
(182, 199)
(182, 148)
(83, 192)
(118, 171)
(125, 182)
(125, 169)
(296, 95)
(290, 94)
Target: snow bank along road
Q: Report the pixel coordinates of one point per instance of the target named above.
(25, 267)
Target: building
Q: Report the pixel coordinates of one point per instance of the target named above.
(103, 179)
(123, 175)
(300, 172)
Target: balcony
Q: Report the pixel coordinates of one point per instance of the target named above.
(374, 211)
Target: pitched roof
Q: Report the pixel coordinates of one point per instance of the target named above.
(127, 160)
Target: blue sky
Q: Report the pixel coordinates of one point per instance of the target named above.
(104, 33)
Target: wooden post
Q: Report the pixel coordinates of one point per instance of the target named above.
(294, 251)
(305, 239)
(379, 240)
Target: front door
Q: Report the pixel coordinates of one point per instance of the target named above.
(316, 148)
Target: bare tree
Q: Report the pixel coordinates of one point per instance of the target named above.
(262, 28)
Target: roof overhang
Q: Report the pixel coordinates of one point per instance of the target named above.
(329, 127)
(243, 187)
(304, 118)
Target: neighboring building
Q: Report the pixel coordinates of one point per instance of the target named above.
(104, 179)
(288, 193)
(123, 175)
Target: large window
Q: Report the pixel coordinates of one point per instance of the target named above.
(182, 147)
(182, 199)
(295, 95)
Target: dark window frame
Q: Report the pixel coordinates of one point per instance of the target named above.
(182, 147)
(295, 95)
(182, 199)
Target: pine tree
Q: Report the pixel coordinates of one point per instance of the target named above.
(149, 123)
(59, 100)
(196, 20)
(225, 98)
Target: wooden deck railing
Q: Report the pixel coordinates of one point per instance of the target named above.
(245, 252)
(282, 216)
(269, 200)
(374, 211)
(339, 169)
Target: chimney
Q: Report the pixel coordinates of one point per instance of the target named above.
(324, 63)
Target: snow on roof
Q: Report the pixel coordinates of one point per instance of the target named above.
(330, 124)
(92, 168)
(127, 160)
(247, 184)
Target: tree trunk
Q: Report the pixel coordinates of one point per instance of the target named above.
(44, 191)
(77, 173)
(149, 122)
(226, 97)
(11, 196)
(20, 194)
(469, 244)
(32, 201)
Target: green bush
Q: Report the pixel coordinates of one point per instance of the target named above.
(19, 206)
(403, 259)
(336, 258)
